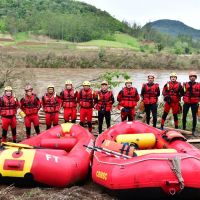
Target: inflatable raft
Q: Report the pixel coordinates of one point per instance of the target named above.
(56, 157)
(138, 161)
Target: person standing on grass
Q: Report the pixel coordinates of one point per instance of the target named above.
(8, 109)
(150, 93)
(103, 101)
(69, 102)
(128, 98)
(191, 98)
(30, 105)
(51, 104)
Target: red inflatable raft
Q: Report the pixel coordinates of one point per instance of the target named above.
(56, 157)
(156, 164)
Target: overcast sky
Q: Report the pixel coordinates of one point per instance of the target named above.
(143, 11)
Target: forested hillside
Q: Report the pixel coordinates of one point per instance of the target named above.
(175, 28)
(61, 19)
(76, 21)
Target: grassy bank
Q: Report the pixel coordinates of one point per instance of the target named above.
(98, 58)
(122, 51)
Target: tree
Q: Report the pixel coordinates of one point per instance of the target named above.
(12, 75)
(113, 78)
(160, 47)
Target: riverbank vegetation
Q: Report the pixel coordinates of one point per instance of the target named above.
(62, 56)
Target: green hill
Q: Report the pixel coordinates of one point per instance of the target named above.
(60, 19)
(174, 28)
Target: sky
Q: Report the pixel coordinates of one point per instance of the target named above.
(143, 11)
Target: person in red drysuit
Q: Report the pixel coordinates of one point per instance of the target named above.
(30, 105)
(8, 109)
(51, 104)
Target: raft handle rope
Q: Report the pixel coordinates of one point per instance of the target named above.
(142, 160)
(176, 168)
(172, 191)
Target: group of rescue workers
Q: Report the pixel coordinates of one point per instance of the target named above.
(102, 101)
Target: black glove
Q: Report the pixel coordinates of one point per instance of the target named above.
(125, 110)
(168, 99)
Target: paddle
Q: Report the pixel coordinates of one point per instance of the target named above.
(107, 151)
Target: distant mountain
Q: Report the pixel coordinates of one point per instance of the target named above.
(174, 28)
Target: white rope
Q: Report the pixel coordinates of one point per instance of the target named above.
(176, 168)
(127, 162)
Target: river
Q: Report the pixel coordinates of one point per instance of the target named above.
(44, 76)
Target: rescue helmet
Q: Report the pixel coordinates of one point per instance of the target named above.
(86, 83)
(152, 75)
(8, 88)
(193, 73)
(28, 87)
(104, 83)
(173, 74)
(68, 82)
(128, 81)
(50, 86)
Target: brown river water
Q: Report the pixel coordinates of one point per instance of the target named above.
(44, 76)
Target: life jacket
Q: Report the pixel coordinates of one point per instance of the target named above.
(8, 106)
(128, 97)
(173, 90)
(30, 105)
(150, 95)
(104, 100)
(86, 98)
(69, 98)
(51, 103)
(191, 94)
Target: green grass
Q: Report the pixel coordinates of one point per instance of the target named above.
(121, 41)
(127, 39)
(22, 36)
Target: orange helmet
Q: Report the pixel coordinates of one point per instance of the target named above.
(192, 73)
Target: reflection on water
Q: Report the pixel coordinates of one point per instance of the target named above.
(44, 76)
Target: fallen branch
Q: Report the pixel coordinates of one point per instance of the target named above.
(193, 140)
(179, 130)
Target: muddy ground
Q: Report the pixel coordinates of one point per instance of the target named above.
(87, 191)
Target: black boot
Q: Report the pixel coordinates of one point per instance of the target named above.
(28, 132)
(4, 135)
(14, 135)
(37, 129)
(81, 124)
(48, 127)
